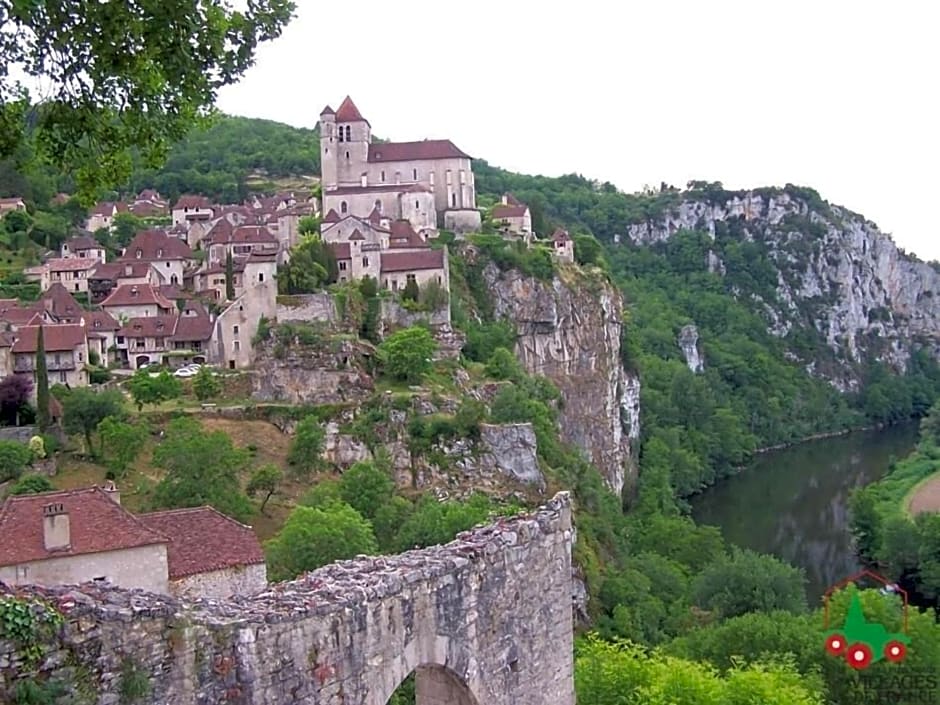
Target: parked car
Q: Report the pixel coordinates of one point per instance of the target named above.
(185, 372)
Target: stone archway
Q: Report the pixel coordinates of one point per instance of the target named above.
(436, 685)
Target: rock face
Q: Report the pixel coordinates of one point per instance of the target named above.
(570, 332)
(688, 342)
(837, 273)
(512, 450)
(486, 618)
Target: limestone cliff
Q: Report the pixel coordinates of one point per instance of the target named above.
(836, 274)
(570, 331)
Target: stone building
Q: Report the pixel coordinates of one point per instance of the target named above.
(66, 349)
(84, 535)
(563, 246)
(83, 247)
(512, 216)
(72, 273)
(190, 208)
(425, 182)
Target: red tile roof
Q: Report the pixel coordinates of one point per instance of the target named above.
(509, 211)
(203, 540)
(252, 233)
(348, 112)
(415, 151)
(96, 524)
(356, 235)
(149, 326)
(403, 235)
(100, 320)
(119, 270)
(83, 242)
(156, 245)
(136, 295)
(73, 264)
(58, 301)
(331, 217)
(340, 250)
(561, 235)
(412, 261)
(197, 326)
(55, 338)
(107, 208)
(511, 200)
(21, 316)
(191, 201)
(146, 208)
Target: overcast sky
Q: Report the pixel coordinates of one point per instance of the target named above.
(840, 96)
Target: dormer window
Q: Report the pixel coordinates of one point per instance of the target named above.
(159, 253)
(140, 254)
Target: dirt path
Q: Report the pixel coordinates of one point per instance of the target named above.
(927, 497)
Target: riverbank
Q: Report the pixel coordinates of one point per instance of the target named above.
(819, 437)
(924, 496)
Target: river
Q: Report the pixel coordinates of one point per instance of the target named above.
(793, 503)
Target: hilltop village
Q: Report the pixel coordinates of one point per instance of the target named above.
(190, 291)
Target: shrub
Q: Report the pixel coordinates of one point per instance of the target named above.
(14, 457)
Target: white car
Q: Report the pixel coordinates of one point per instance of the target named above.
(185, 372)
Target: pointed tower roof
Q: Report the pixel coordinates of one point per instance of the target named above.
(327, 111)
(356, 235)
(331, 217)
(348, 112)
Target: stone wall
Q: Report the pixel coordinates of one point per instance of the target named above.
(306, 308)
(21, 434)
(395, 316)
(486, 619)
(238, 580)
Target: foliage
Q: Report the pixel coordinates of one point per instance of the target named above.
(83, 409)
(153, 390)
(433, 296)
(28, 624)
(407, 353)
(43, 417)
(94, 113)
(483, 339)
(34, 692)
(202, 468)
(435, 522)
(535, 261)
(14, 395)
(366, 488)
(307, 446)
(135, 682)
(37, 446)
(206, 385)
(31, 484)
(313, 537)
(749, 582)
(121, 443)
(411, 292)
(312, 266)
(622, 673)
(229, 277)
(14, 458)
(265, 480)
(504, 365)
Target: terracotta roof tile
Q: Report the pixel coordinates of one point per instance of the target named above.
(203, 540)
(412, 261)
(136, 295)
(25, 316)
(149, 327)
(96, 524)
(192, 201)
(60, 303)
(101, 321)
(348, 112)
(55, 338)
(73, 264)
(193, 323)
(83, 242)
(560, 235)
(127, 269)
(155, 245)
(509, 211)
(340, 250)
(403, 235)
(331, 217)
(415, 151)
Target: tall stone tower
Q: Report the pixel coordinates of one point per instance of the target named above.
(328, 148)
(353, 134)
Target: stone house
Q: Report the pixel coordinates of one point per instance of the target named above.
(11, 204)
(102, 216)
(189, 208)
(66, 349)
(168, 256)
(231, 344)
(243, 240)
(145, 340)
(149, 204)
(101, 330)
(430, 173)
(72, 273)
(136, 301)
(59, 306)
(422, 266)
(512, 216)
(104, 278)
(83, 247)
(85, 535)
(563, 246)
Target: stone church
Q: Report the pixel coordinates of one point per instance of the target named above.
(428, 183)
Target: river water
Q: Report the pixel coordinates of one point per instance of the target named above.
(793, 503)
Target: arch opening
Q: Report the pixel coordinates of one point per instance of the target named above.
(430, 684)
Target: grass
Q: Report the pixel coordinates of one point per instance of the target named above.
(909, 497)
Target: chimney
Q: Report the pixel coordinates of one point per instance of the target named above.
(55, 526)
(112, 491)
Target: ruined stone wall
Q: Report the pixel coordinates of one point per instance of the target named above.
(238, 580)
(490, 610)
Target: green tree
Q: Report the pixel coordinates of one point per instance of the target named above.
(202, 468)
(313, 537)
(366, 488)
(153, 390)
(31, 484)
(411, 292)
(308, 225)
(229, 277)
(407, 353)
(121, 443)
(264, 481)
(14, 458)
(126, 226)
(84, 122)
(43, 417)
(312, 266)
(749, 582)
(434, 522)
(307, 445)
(206, 385)
(83, 409)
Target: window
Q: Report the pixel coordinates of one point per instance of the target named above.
(63, 378)
(410, 278)
(463, 177)
(417, 205)
(120, 339)
(161, 342)
(260, 276)
(378, 205)
(382, 175)
(453, 200)
(236, 346)
(231, 364)
(431, 177)
(414, 174)
(343, 207)
(348, 134)
(159, 254)
(342, 266)
(347, 156)
(341, 133)
(235, 330)
(81, 356)
(139, 254)
(22, 572)
(365, 261)
(449, 179)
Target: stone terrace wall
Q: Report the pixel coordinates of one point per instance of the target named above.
(484, 620)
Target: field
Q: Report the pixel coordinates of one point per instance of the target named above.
(926, 496)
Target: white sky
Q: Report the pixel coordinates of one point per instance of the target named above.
(838, 95)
